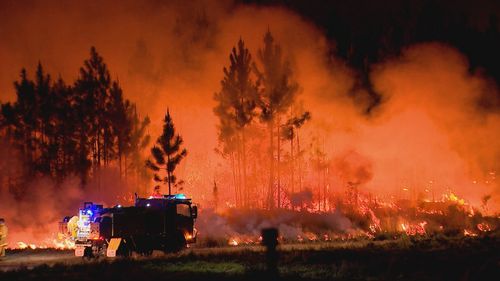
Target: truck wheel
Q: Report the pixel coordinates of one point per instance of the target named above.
(147, 252)
(124, 249)
(103, 250)
(88, 253)
(175, 244)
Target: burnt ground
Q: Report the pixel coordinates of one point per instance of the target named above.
(407, 258)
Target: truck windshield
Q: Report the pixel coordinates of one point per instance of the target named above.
(183, 210)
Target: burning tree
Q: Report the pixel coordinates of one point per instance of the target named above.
(138, 141)
(236, 109)
(94, 87)
(277, 94)
(167, 154)
(271, 96)
(290, 133)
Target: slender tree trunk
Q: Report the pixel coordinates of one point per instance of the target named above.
(324, 167)
(120, 162)
(168, 177)
(125, 166)
(104, 148)
(279, 161)
(239, 173)
(292, 169)
(324, 189)
(271, 166)
(319, 181)
(233, 168)
(245, 183)
(98, 166)
(98, 148)
(255, 184)
(300, 161)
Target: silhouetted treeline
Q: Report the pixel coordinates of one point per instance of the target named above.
(58, 130)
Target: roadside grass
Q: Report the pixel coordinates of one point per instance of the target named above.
(406, 258)
(228, 268)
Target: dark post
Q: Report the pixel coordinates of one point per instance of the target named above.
(270, 241)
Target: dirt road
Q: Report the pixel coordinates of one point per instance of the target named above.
(29, 259)
(17, 259)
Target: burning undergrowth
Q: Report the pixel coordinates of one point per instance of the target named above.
(244, 225)
(354, 215)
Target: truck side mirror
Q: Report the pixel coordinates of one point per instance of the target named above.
(194, 212)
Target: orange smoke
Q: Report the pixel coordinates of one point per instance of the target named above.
(430, 134)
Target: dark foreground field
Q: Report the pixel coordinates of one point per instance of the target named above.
(437, 258)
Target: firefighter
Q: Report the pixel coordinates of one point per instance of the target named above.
(156, 192)
(3, 237)
(73, 226)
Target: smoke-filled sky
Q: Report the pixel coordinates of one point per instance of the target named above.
(435, 120)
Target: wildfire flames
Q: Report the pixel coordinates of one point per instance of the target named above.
(414, 229)
(339, 152)
(427, 219)
(58, 244)
(367, 217)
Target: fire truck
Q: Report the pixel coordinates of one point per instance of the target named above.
(156, 223)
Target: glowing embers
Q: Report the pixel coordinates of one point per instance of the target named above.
(468, 232)
(484, 227)
(64, 244)
(241, 240)
(22, 246)
(412, 229)
(454, 198)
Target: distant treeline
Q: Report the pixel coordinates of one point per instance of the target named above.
(58, 130)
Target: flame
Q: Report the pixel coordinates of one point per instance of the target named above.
(311, 236)
(414, 229)
(21, 245)
(470, 233)
(58, 244)
(484, 227)
(379, 214)
(454, 198)
(66, 244)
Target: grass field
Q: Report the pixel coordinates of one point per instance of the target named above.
(406, 258)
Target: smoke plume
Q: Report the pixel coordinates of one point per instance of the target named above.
(437, 127)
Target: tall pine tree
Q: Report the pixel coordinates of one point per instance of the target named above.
(167, 154)
(278, 93)
(236, 104)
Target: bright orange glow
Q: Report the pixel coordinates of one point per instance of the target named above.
(428, 146)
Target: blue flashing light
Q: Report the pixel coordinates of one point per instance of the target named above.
(180, 196)
(89, 212)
